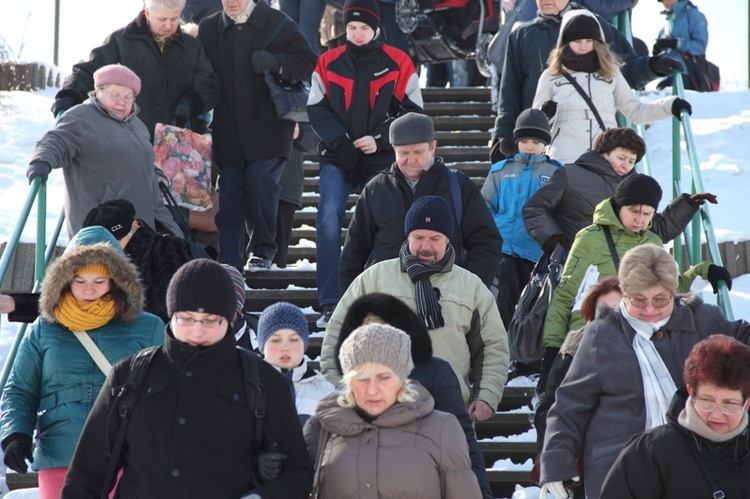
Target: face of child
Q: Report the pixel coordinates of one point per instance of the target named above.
(530, 146)
(581, 47)
(284, 349)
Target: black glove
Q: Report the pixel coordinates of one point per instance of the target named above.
(270, 463)
(17, 448)
(181, 112)
(552, 242)
(663, 44)
(716, 274)
(508, 147)
(549, 109)
(697, 200)
(550, 354)
(678, 105)
(496, 153)
(265, 61)
(61, 105)
(36, 169)
(348, 157)
(663, 66)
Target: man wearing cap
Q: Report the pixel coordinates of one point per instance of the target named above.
(357, 91)
(251, 147)
(457, 308)
(375, 232)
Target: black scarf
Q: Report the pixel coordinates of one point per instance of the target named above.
(373, 46)
(586, 63)
(426, 296)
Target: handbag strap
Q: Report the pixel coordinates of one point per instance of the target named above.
(612, 248)
(275, 33)
(717, 493)
(99, 359)
(586, 98)
(322, 440)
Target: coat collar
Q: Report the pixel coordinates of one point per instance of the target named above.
(181, 354)
(257, 19)
(138, 27)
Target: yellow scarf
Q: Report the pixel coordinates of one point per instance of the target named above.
(84, 316)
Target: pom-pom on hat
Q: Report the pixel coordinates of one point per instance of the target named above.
(202, 286)
(411, 128)
(364, 11)
(637, 189)
(532, 124)
(116, 216)
(117, 74)
(380, 344)
(429, 213)
(280, 316)
(579, 24)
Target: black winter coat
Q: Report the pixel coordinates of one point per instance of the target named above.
(376, 231)
(244, 126)
(566, 203)
(659, 464)
(191, 430)
(181, 70)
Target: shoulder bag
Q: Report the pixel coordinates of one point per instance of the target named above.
(289, 97)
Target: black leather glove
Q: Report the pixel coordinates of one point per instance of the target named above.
(265, 61)
(663, 44)
(36, 169)
(663, 66)
(552, 242)
(697, 200)
(348, 157)
(549, 109)
(496, 154)
(508, 147)
(61, 105)
(270, 463)
(678, 105)
(17, 449)
(181, 113)
(716, 274)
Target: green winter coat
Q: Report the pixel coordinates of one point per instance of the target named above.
(590, 261)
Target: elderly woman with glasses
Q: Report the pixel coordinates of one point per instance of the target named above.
(707, 422)
(104, 152)
(626, 370)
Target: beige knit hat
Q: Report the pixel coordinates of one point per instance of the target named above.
(377, 343)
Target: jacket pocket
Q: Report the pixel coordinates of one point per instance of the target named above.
(148, 411)
(233, 416)
(47, 428)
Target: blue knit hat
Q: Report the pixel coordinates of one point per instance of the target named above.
(430, 213)
(280, 316)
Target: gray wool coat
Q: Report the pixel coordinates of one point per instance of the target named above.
(103, 158)
(600, 403)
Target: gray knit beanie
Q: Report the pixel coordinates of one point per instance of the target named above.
(280, 316)
(411, 128)
(380, 344)
(532, 124)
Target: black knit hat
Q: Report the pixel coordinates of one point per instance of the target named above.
(430, 213)
(411, 128)
(532, 124)
(116, 216)
(637, 189)
(202, 286)
(581, 26)
(364, 11)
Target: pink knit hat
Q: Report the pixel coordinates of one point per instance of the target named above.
(117, 74)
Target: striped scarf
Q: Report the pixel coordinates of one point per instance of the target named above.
(426, 296)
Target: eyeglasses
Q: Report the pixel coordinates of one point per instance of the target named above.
(190, 322)
(704, 405)
(127, 99)
(658, 302)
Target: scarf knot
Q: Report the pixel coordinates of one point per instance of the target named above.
(428, 307)
(84, 316)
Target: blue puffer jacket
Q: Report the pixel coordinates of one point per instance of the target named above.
(53, 374)
(506, 190)
(689, 26)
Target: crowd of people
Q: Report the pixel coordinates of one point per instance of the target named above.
(144, 376)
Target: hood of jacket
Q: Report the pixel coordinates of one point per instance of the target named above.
(91, 245)
(393, 312)
(596, 163)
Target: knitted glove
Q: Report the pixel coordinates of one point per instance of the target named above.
(61, 105)
(181, 112)
(552, 242)
(270, 463)
(36, 169)
(663, 66)
(678, 105)
(716, 274)
(265, 61)
(549, 109)
(699, 199)
(663, 44)
(17, 449)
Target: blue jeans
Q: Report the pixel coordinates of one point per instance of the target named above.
(335, 188)
(248, 202)
(308, 14)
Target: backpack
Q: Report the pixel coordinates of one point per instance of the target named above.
(127, 394)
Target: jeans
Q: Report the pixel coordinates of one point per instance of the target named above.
(308, 14)
(335, 188)
(249, 201)
(511, 276)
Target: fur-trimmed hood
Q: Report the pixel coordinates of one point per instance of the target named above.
(91, 245)
(395, 313)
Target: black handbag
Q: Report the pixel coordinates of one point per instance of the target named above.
(526, 329)
(703, 75)
(288, 97)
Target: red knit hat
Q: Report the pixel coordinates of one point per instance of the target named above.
(117, 74)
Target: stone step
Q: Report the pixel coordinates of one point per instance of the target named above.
(455, 123)
(309, 234)
(503, 483)
(309, 199)
(468, 94)
(308, 218)
(458, 109)
(280, 279)
(517, 451)
(259, 299)
(312, 184)
(505, 424)
(452, 156)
